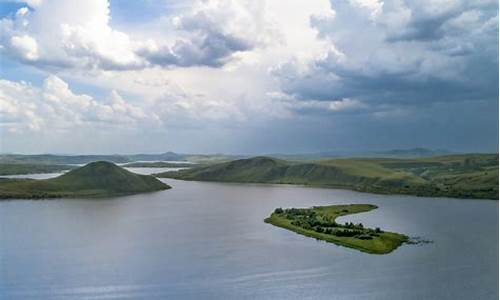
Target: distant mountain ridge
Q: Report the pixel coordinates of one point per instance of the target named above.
(414, 152)
(85, 159)
(210, 158)
(393, 153)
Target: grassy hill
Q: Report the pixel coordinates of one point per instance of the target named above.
(159, 164)
(461, 176)
(97, 179)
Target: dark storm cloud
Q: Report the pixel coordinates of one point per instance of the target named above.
(209, 43)
(206, 48)
(428, 24)
(444, 55)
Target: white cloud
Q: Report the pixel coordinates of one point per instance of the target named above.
(213, 33)
(24, 47)
(293, 104)
(345, 104)
(18, 111)
(239, 64)
(373, 6)
(55, 107)
(78, 35)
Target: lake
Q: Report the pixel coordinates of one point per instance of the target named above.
(208, 241)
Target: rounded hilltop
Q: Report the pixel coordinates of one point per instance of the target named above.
(96, 179)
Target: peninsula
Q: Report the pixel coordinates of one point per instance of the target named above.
(320, 222)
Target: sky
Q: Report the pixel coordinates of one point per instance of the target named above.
(256, 76)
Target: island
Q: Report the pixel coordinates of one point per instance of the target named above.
(473, 176)
(96, 179)
(319, 222)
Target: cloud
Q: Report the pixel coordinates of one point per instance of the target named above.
(293, 105)
(55, 107)
(319, 75)
(66, 34)
(411, 53)
(25, 47)
(212, 31)
(374, 7)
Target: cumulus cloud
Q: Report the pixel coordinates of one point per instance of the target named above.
(55, 106)
(67, 34)
(374, 7)
(25, 47)
(78, 35)
(402, 52)
(324, 73)
(212, 31)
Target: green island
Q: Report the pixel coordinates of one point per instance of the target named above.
(459, 176)
(319, 222)
(159, 164)
(97, 179)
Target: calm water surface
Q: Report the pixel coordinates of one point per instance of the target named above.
(146, 171)
(208, 240)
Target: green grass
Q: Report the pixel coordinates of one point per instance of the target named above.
(207, 159)
(459, 176)
(367, 240)
(97, 179)
(16, 169)
(159, 164)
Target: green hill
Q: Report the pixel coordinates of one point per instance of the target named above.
(158, 164)
(461, 176)
(97, 179)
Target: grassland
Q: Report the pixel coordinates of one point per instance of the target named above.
(15, 169)
(320, 223)
(459, 176)
(97, 179)
(159, 164)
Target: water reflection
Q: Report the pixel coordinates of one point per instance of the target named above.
(208, 240)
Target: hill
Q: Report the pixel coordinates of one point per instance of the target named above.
(460, 176)
(158, 164)
(97, 179)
